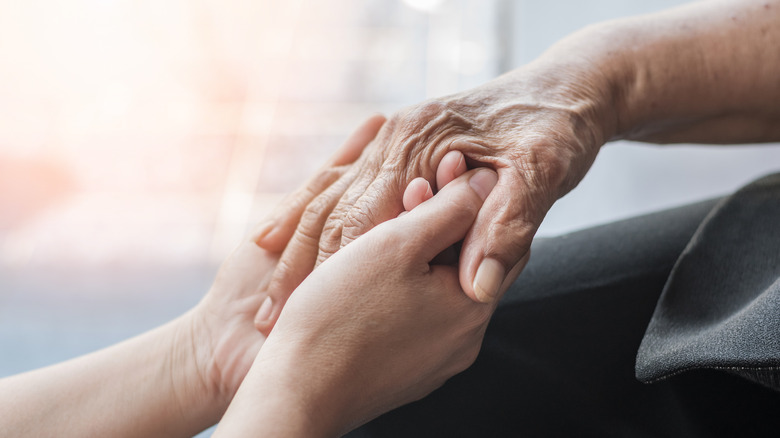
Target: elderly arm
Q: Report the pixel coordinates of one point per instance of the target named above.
(706, 72)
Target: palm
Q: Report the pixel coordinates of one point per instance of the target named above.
(228, 312)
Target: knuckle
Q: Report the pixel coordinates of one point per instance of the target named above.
(330, 239)
(311, 224)
(430, 108)
(318, 208)
(511, 237)
(547, 169)
(356, 222)
(306, 238)
(421, 134)
(311, 221)
(380, 202)
(393, 122)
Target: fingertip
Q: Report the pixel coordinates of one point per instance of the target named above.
(274, 235)
(460, 167)
(451, 166)
(428, 191)
(265, 310)
(271, 239)
(485, 278)
(353, 146)
(371, 126)
(261, 230)
(417, 192)
(449, 215)
(483, 182)
(377, 119)
(488, 280)
(468, 289)
(265, 318)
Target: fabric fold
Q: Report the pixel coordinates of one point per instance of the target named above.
(720, 308)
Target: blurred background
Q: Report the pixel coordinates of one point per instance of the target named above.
(140, 139)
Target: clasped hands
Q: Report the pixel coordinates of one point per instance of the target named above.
(385, 312)
(355, 297)
(378, 310)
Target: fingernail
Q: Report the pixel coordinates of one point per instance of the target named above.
(490, 275)
(483, 182)
(264, 313)
(461, 161)
(428, 192)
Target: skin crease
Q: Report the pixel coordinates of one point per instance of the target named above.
(705, 72)
(340, 356)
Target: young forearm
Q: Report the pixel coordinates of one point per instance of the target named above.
(705, 72)
(146, 386)
(285, 396)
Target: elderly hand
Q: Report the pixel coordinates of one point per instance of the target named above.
(538, 128)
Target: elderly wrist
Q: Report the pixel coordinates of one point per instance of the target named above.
(591, 91)
(596, 65)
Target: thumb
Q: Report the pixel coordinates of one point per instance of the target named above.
(497, 246)
(444, 220)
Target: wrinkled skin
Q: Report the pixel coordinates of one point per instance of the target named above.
(704, 72)
(535, 128)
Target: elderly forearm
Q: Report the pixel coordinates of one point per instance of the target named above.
(706, 72)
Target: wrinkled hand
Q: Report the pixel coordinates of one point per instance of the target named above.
(538, 128)
(377, 325)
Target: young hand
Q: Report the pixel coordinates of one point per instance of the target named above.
(375, 326)
(222, 324)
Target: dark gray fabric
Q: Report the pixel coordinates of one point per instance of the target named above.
(559, 354)
(721, 305)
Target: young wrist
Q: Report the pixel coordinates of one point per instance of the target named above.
(197, 396)
(280, 398)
